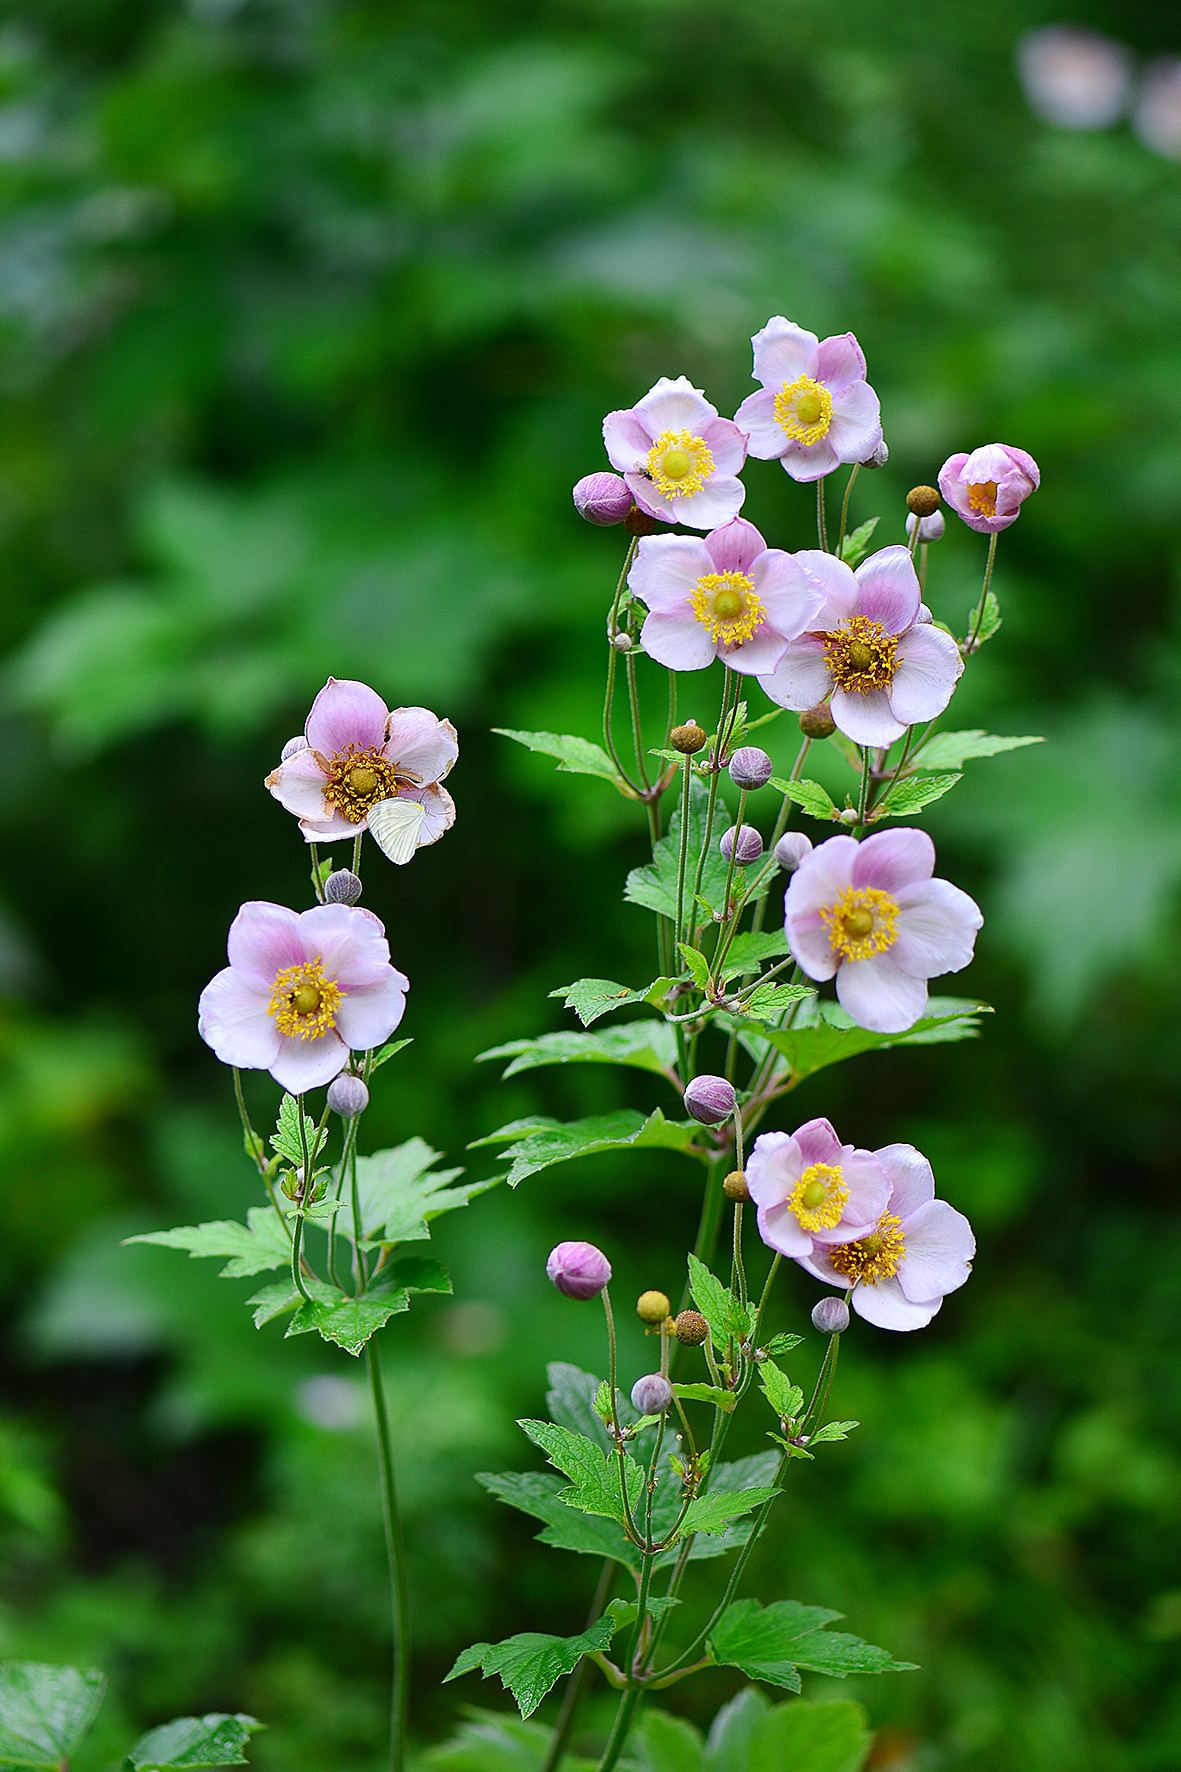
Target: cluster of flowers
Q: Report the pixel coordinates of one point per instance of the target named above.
(304, 990)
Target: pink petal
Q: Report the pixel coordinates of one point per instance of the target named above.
(264, 939)
(714, 505)
(299, 786)
(839, 361)
(420, 743)
(801, 678)
(842, 595)
(232, 1018)
(895, 860)
(792, 598)
(774, 1166)
(817, 883)
(726, 443)
(329, 830)
(939, 1251)
(878, 996)
(909, 1174)
(808, 461)
(886, 1306)
(351, 946)
(766, 437)
(368, 1017)
(818, 1143)
(678, 641)
(869, 1194)
(937, 926)
(735, 547)
(780, 1229)
(929, 665)
(626, 440)
(865, 718)
(666, 571)
(306, 1064)
(856, 427)
(783, 352)
(344, 713)
(889, 589)
(756, 656)
(675, 406)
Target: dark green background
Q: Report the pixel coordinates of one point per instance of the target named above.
(309, 314)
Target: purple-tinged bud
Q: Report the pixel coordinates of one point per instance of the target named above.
(930, 528)
(342, 887)
(293, 747)
(710, 1100)
(602, 499)
(818, 722)
(578, 1269)
(924, 618)
(750, 767)
(791, 850)
(690, 1328)
(347, 1096)
(734, 1187)
(744, 842)
(830, 1316)
(652, 1395)
(879, 458)
(652, 1307)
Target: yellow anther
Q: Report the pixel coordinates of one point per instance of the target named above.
(861, 655)
(304, 1001)
(982, 497)
(804, 409)
(725, 604)
(819, 1197)
(872, 1258)
(358, 779)
(862, 922)
(679, 464)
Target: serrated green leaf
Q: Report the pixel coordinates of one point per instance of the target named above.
(771, 1642)
(495, 1741)
(988, 623)
(566, 1528)
(951, 750)
(712, 1300)
(593, 1472)
(782, 1344)
(286, 1139)
(214, 1740)
(400, 1192)
(767, 1002)
(785, 1398)
(348, 1322)
(856, 544)
(706, 1393)
(531, 1663)
(624, 1611)
(670, 1744)
(549, 1141)
(696, 962)
(387, 1052)
(656, 884)
(912, 794)
(591, 997)
(576, 756)
(254, 1247)
(45, 1711)
(750, 949)
(646, 1045)
(823, 1034)
(833, 1430)
(273, 1301)
(755, 1472)
(808, 794)
(712, 1513)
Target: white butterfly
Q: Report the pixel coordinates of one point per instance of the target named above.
(395, 825)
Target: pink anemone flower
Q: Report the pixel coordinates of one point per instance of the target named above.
(807, 1184)
(362, 767)
(871, 913)
(919, 1250)
(868, 648)
(728, 596)
(815, 408)
(302, 990)
(987, 488)
(678, 458)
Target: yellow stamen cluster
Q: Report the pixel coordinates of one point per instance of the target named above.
(862, 922)
(819, 1197)
(861, 655)
(304, 1001)
(982, 497)
(357, 780)
(804, 409)
(724, 602)
(872, 1258)
(679, 464)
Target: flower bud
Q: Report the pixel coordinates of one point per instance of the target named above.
(817, 722)
(710, 1100)
(879, 458)
(602, 499)
(830, 1316)
(292, 1184)
(347, 1096)
(652, 1395)
(930, 528)
(690, 1328)
(924, 618)
(622, 642)
(638, 522)
(688, 739)
(578, 1269)
(293, 747)
(744, 842)
(750, 767)
(652, 1307)
(791, 850)
(342, 887)
(922, 501)
(734, 1187)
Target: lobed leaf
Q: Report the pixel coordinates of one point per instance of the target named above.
(712, 1513)
(646, 1045)
(767, 1002)
(771, 1642)
(833, 1430)
(593, 1472)
(722, 1311)
(697, 963)
(386, 1052)
(785, 1398)
(951, 750)
(214, 1740)
(530, 1664)
(539, 1493)
(286, 1138)
(400, 1192)
(912, 793)
(45, 1711)
(751, 948)
(823, 1034)
(348, 1322)
(656, 884)
(808, 794)
(254, 1247)
(576, 756)
(549, 1141)
(990, 621)
(706, 1393)
(591, 997)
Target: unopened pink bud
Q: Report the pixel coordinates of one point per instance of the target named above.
(347, 1096)
(750, 767)
(652, 1395)
(342, 887)
(879, 458)
(293, 747)
(791, 850)
(744, 842)
(578, 1269)
(830, 1316)
(710, 1100)
(602, 499)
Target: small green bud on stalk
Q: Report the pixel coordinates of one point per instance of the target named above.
(652, 1307)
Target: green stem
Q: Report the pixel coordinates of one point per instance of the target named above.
(683, 865)
(316, 873)
(971, 646)
(617, 1434)
(715, 772)
(357, 853)
(820, 523)
(396, 1551)
(628, 1705)
(612, 655)
(570, 1697)
(853, 473)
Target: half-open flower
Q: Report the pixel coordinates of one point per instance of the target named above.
(987, 487)
(815, 408)
(867, 648)
(919, 1250)
(358, 756)
(679, 458)
(726, 596)
(302, 990)
(871, 914)
(807, 1184)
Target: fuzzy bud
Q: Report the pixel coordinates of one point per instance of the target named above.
(292, 748)
(622, 642)
(750, 767)
(602, 499)
(652, 1307)
(930, 528)
(922, 501)
(710, 1100)
(342, 887)
(652, 1395)
(817, 722)
(879, 458)
(830, 1316)
(744, 842)
(347, 1096)
(688, 739)
(578, 1269)
(734, 1187)
(791, 850)
(690, 1328)
(638, 522)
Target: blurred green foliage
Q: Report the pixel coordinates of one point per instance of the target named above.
(309, 312)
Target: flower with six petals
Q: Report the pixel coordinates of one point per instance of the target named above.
(678, 458)
(815, 408)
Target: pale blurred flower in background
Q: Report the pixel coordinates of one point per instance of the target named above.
(1075, 78)
(1156, 117)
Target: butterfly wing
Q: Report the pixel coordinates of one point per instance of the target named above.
(395, 825)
